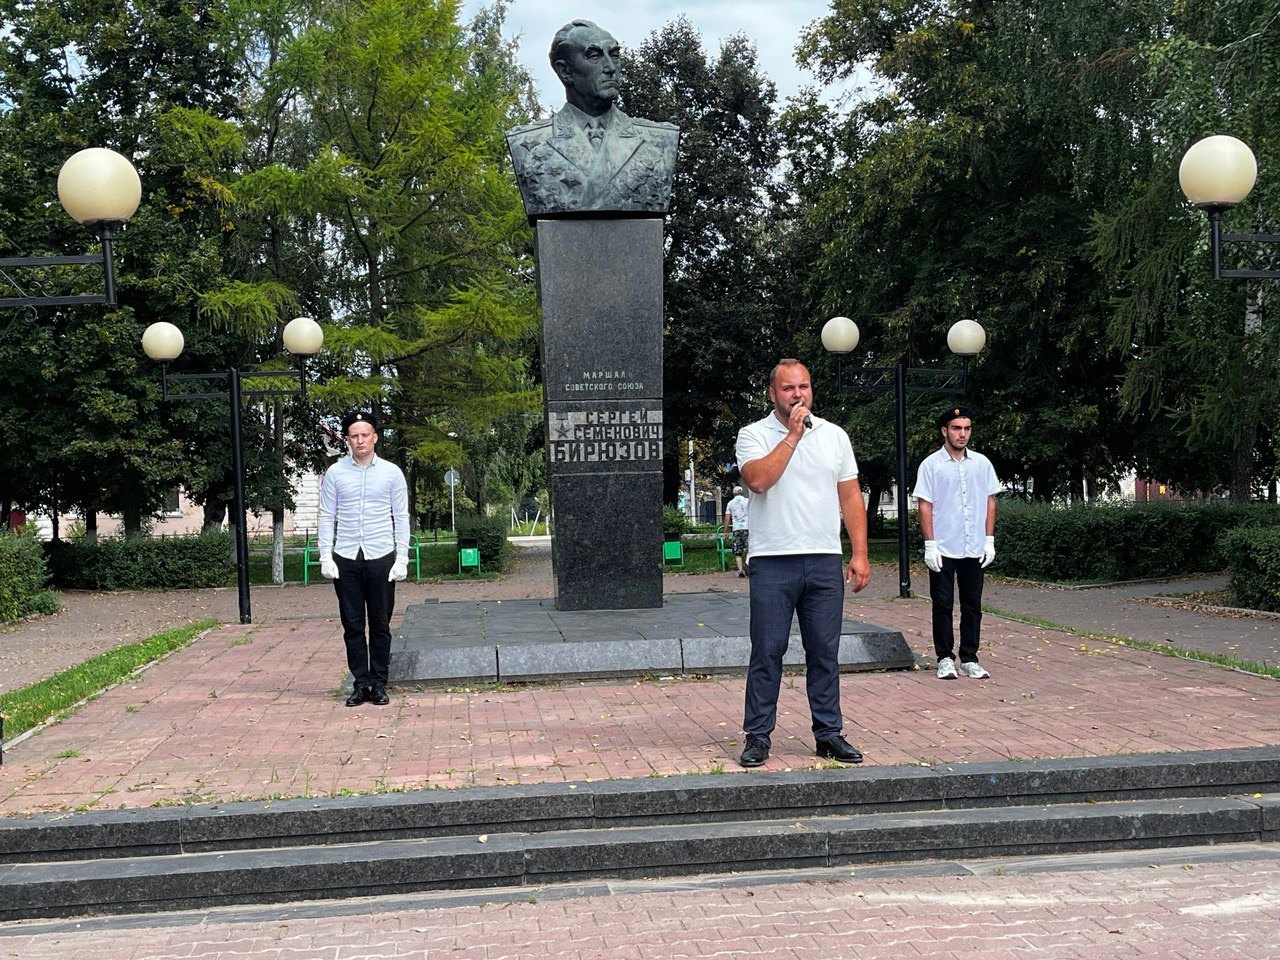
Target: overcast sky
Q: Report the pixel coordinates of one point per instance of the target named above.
(773, 25)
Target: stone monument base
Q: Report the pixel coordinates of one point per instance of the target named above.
(450, 642)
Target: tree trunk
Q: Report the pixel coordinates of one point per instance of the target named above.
(91, 527)
(277, 545)
(1042, 479)
(277, 512)
(1242, 463)
(131, 513)
(875, 523)
(215, 511)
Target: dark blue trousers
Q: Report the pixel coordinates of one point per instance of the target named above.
(362, 588)
(966, 573)
(810, 586)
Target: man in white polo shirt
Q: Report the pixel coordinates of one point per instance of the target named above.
(956, 489)
(363, 543)
(803, 478)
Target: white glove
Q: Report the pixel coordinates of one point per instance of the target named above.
(328, 568)
(989, 551)
(932, 556)
(399, 570)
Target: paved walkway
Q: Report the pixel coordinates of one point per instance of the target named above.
(255, 712)
(1157, 907)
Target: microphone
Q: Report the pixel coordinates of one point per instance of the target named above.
(808, 422)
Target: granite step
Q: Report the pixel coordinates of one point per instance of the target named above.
(604, 804)
(476, 861)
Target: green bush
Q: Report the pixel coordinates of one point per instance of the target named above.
(490, 535)
(1107, 543)
(201, 560)
(674, 523)
(22, 577)
(1253, 556)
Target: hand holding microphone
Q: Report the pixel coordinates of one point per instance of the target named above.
(806, 420)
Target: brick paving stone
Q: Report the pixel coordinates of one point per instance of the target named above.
(255, 711)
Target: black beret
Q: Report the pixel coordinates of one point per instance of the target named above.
(951, 413)
(359, 416)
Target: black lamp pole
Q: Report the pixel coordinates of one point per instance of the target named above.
(1217, 173)
(902, 379)
(1218, 240)
(106, 231)
(235, 393)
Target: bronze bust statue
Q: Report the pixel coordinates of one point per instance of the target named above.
(590, 156)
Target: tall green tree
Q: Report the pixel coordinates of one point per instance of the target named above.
(971, 174)
(719, 326)
(1203, 372)
(102, 74)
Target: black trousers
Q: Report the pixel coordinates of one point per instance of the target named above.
(965, 572)
(809, 586)
(365, 594)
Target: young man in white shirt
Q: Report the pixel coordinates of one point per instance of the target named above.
(803, 479)
(736, 514)
(956, 489)
(363, 543)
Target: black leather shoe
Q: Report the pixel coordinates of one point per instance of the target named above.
(755, 753)
(840, 750)
(358, 696)
(378, 695)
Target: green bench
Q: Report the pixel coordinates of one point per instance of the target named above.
(672, 552)
(311, 558)
(468, 555)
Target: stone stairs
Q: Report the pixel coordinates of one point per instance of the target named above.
(133, 861)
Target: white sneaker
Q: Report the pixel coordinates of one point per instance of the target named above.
(946, 669)
(972, 669)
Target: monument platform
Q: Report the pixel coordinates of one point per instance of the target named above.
(527, 640)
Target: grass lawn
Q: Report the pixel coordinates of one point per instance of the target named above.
(25, 708)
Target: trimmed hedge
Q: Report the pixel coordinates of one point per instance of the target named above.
(1253, 557)
(490, 535)
(674, 523)
(1105, 543)
(22, 577)
(200, 560)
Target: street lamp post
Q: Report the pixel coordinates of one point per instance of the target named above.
(100, 189)
(163, 342)
(966, 338)
(1217, 173)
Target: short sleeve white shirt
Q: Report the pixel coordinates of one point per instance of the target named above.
(958, 490)
(737, 510)
(801, 512)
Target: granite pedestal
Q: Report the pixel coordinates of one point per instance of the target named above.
(600, 289)
(526, 640)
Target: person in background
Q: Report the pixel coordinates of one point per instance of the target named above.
(735, 515)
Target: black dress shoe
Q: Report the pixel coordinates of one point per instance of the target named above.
(358, 696)
(755, 753)
(840, 750)
(378, 695)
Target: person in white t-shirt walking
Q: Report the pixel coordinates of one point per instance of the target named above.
(736, 514)
(803, 479)
(956, 489)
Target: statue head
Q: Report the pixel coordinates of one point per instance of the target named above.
(586, 58)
